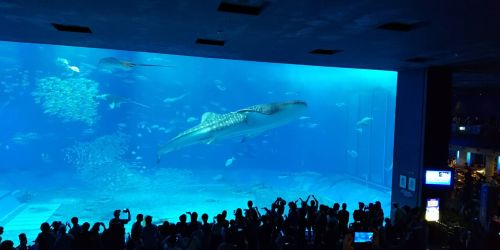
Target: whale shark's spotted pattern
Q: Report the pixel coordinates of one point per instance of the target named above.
(247, 122)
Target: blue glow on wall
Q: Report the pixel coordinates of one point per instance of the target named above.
(498, 164)
(458, 156)
(468, 158)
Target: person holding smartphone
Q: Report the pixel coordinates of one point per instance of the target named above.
(117, 229)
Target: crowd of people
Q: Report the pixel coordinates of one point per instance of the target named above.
(300, 224)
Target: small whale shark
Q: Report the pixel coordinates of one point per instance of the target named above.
(364, 121)
(115, 101)
(174, 99)
(112, 63)
(247, 122)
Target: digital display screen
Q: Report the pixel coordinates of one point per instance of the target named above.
(437, 177)
(363, 237)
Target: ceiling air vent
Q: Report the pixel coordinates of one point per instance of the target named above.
(419, 59)
(249, 7)
(324, 51)
(72, 28)
(399, 26)
(212, 42)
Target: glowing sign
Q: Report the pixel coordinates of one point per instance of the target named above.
(432, 210)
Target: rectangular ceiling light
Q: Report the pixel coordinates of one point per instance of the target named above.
(71, 28)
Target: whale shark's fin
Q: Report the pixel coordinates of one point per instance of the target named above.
(209, 116)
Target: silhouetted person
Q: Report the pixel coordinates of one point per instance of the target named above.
(1, 232)
(83, 240)
(135, 241)
(332, 231)
(387, 233)
(7, 245)
(117, 230)
(194, 224)
(227, 244)
(217, 231)
(265, 232)
(63, 241)
(301, 235)
(166, 232)
(95, 240)
(23, 242)
(182, 227)
(75, 228)
(252, 223)
(378, 215)
(45, 240)
(206, 230)
(150, 235)
(359, 214)
(280, 206)
(238, 228)
(467, 190)
(55, 227)
(319, 226)
(343, 218)
(399, 219)
(292, 220)
(311, 214)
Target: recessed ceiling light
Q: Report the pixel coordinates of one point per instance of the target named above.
(324, 51)
(400, 26)
(253, 8)
(71, 28)
(419, 59)
(213, 42)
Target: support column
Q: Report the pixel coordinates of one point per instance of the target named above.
(463, 157)
(490, 165)
(422, 131)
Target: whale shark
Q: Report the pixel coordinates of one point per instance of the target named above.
(364, 121)
(246, 123)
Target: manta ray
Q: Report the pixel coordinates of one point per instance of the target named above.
(112, 63)
(245, 123)
(115, 101)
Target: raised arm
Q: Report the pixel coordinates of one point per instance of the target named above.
(128, 215)
(258, 213)
(308, 197)
(316, 200)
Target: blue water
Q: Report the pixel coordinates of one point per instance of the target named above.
(63, 152)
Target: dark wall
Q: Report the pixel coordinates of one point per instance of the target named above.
(437, 118)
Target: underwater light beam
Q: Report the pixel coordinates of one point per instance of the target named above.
(247, 122)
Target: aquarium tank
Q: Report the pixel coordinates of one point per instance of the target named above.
(85, 131)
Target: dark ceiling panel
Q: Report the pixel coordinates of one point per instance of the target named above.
(285, 31)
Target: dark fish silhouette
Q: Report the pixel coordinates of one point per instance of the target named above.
(112, 63)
